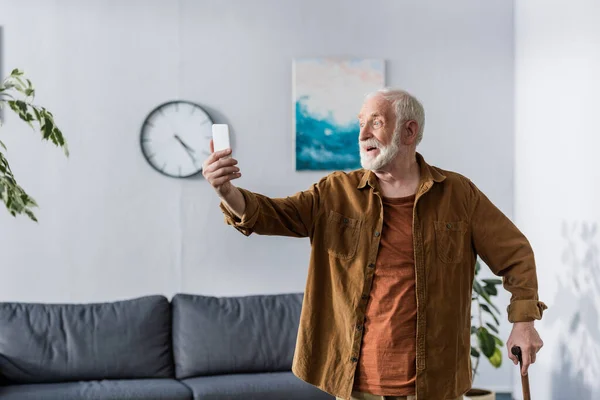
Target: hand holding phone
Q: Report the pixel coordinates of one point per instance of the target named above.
(220, 168)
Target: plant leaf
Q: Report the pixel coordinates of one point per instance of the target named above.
(491, 290)
(486, 342)
(18, 92)
(31, 215)
(492, 327)
(478, 289)
(474, 352)
(492, 281)
(498, 341)
(493, 306)
(483, 293)
(487, 309)
(496, 358)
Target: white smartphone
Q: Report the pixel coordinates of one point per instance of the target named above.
(220, 134)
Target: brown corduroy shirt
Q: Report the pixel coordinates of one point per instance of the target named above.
(453, 222)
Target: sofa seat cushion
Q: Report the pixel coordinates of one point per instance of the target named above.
(265, 386)
(134, 389)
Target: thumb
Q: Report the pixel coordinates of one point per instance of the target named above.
(513, 358)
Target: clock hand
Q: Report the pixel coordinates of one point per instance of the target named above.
(187, 148)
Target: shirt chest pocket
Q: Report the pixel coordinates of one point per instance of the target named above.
(341, 235)
(450, 239)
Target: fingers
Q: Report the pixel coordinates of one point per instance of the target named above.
(219, 170)
(526, 362)
(225, 178)
(224, 171)
(528, 356)
(216, 155)
(514, 358)
(526, 337)
(219, 163)
(212, 146)
(533, 350)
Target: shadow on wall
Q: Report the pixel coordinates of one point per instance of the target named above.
(566, 382)
(576, 315)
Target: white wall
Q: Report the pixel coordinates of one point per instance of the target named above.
(557, 194)
(111, 227)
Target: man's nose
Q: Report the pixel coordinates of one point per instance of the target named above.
(365, 133)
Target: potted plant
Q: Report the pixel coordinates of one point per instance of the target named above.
(484, 328)
(18, 93)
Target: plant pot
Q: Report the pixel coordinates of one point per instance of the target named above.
(480, 394)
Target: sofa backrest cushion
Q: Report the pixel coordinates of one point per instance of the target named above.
(223, 335)
(69, 342)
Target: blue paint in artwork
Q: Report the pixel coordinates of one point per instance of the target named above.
(321, 144)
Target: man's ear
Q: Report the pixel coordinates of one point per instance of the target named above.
(411, 131)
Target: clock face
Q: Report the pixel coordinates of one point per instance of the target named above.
(175, 138)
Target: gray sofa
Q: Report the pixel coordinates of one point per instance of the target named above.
(194, 347)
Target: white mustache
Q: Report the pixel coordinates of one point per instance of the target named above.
(370, 143)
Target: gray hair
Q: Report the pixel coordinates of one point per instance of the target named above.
(406, 107)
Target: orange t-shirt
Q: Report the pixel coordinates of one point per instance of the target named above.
(387, 360)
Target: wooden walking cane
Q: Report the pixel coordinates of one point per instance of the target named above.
(516, 350)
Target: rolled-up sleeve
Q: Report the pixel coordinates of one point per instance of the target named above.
(508, 253)
(525, 310)
(248, 220)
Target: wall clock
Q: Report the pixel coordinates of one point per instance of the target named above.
(175, 138)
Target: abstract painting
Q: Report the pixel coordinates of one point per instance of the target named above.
(328, 94)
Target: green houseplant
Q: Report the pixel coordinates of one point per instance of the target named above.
(18, 94)
(484, 329)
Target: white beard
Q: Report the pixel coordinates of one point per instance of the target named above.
(385, 156)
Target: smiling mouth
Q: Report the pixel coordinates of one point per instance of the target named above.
(370, 149)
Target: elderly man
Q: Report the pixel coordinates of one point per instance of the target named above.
(386, 311)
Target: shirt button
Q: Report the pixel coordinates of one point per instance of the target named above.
(449, 226)
(377, 233)
(359, 327)
(364, 297)
(346, 220)
(354, 359)
(371, 265)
